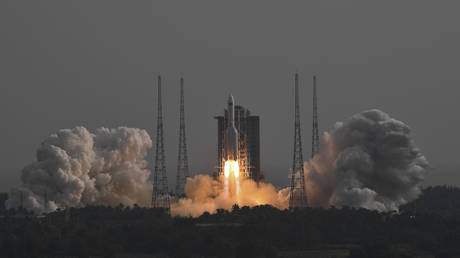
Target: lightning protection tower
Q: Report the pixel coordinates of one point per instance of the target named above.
(298, 196)
(160, 194)
(314, 133)
(182, 160)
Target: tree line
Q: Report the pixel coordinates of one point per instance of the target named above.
(427, 227)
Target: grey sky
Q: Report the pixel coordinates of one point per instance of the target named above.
(92, 63)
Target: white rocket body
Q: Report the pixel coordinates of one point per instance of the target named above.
(231, 134)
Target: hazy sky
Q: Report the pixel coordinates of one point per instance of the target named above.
(93, 63)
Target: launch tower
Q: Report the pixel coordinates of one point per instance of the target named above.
(182, 159)
(298, 195)
(314, 133)
(160, 194)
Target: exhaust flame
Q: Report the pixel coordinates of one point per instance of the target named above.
(232, 179)
(231, 167)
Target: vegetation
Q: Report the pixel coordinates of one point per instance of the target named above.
(429, 227)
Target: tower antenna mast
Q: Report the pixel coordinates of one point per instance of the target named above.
(298, 196)
(160, 194)
(182, 159)
(315, 131)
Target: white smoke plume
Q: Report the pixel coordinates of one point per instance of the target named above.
(369, 161)
(75, 168)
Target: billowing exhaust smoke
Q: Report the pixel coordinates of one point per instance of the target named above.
(75, 168)
(207, 194)
(369, 161)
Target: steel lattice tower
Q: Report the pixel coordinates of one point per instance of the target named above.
(298, 196)
(160, 194)
(182, 159)
(315, 131)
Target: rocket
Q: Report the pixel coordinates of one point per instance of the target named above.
(231, 134)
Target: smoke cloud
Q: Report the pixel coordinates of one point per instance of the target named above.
(369, 161)
(206, 194)
(75, 168)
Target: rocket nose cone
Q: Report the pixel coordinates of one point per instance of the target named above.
(230, 98)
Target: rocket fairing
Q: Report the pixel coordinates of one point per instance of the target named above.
(231, 134)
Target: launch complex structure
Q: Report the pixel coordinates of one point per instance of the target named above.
(238, 138)
(238, 150)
